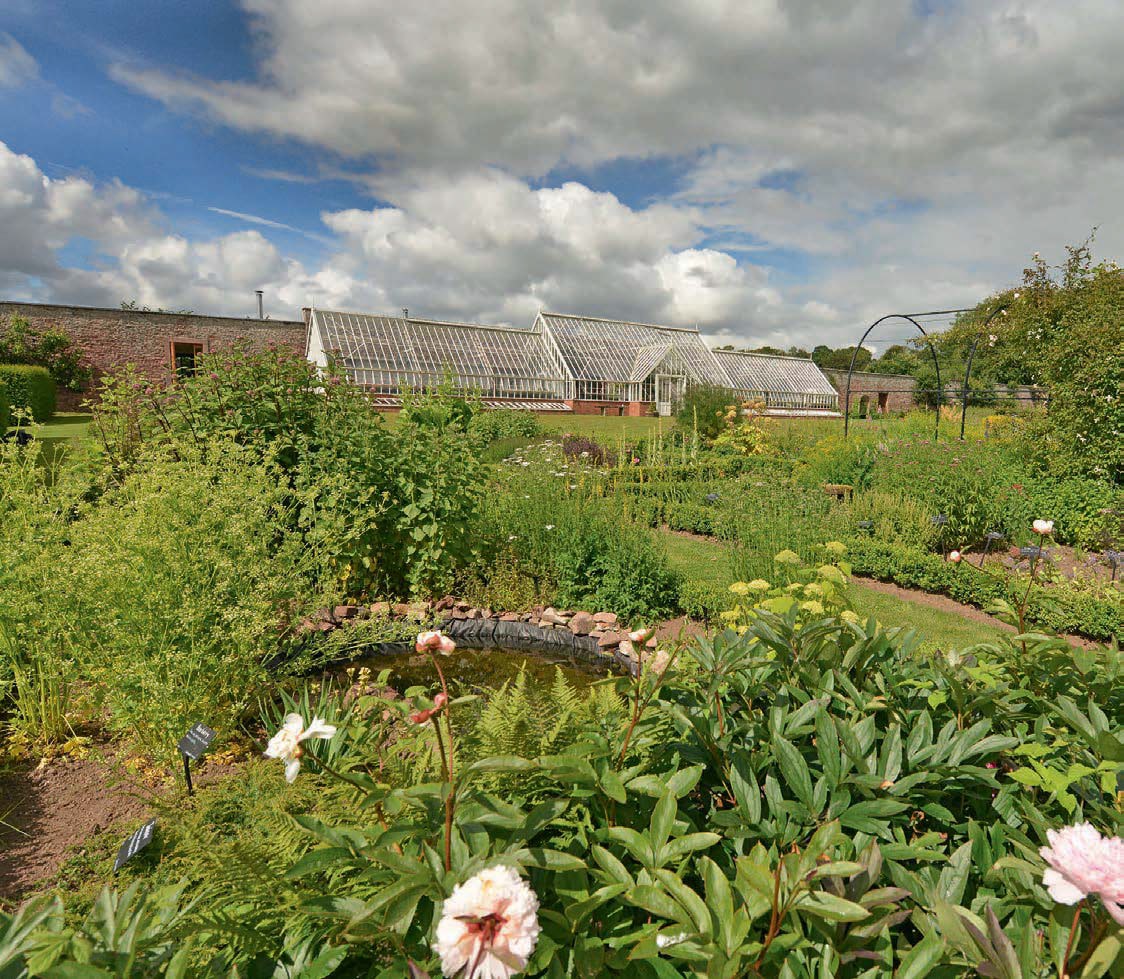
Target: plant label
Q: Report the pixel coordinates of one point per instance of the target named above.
(196, 742)
(940, 519)
(134, 844)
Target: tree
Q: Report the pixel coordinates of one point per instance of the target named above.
(840, 359)
(896, 359)
(1063, 329)
(52, 348)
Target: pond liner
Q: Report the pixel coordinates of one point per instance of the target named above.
(516, 636)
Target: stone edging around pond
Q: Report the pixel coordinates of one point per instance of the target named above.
(593, 636)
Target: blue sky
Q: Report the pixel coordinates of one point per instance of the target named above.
(773, 172)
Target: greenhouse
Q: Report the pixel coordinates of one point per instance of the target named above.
(562, 363)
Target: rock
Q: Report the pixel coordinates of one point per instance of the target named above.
(487, 613)
(444, 604)
(474, 613)
(510, 617)
(345, 611)
(582, 624)
(462, 606)
(380, 609)
(551, 617)
(610, 640)
(606, 618)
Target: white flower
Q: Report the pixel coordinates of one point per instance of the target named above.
(955, 557)
(1043, 527)
(550, 526)
(489, 926)
(639, 635)
(286, 743)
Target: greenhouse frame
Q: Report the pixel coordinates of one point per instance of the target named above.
(563, 362)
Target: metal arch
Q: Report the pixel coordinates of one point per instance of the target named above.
(965, 394)
(936, 367)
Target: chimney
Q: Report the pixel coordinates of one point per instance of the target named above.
(261, 310)
(405, 312)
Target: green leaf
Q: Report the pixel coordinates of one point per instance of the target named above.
(501, 763)
(656, 901)
(830, 907)
(920, 960)
(682, 845)
(794, 770)
(747, 793)
(663, 818)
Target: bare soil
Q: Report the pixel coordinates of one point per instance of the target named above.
(49, 810)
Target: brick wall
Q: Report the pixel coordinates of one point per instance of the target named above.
(893, 392)
(111, 338)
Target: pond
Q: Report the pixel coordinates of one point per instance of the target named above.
(474, 670)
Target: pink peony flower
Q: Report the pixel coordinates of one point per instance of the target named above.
(955, 557)
(489, 926)
(1084, 863)
(435, 641)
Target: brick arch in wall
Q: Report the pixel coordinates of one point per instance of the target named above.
(911, 318)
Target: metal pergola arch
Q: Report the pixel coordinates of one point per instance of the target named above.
(910, 318)
(966, 393)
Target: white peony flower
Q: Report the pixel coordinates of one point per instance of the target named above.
(489, 926)
(1043, 527)
(286, 743)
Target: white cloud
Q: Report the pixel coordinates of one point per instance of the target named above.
(17, 67)
(483, 246)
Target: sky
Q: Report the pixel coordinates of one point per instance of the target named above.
(770, 171)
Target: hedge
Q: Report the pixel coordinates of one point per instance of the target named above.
(5, 409)
(29, 387)
(1062, 607)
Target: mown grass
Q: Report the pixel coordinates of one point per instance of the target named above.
(710, 561)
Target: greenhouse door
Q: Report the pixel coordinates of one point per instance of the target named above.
(669, 392)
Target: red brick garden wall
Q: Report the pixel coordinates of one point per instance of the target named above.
(895, 391)
(111, 338)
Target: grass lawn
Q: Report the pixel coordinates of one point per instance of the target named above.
(706, 560)
(63, 425)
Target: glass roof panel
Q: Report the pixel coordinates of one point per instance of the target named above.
(597, 349)
(765, 372)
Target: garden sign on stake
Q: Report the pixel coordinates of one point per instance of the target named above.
(193, 745)
(134, 844)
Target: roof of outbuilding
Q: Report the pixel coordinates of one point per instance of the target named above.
(614, 350)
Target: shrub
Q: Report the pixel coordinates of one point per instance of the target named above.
(29, 388)
(52, 348)
(578, 550)
(579, 448)
(703, 409)
(175, 589)
(5, 409)
(384, 510)
(495, 424)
